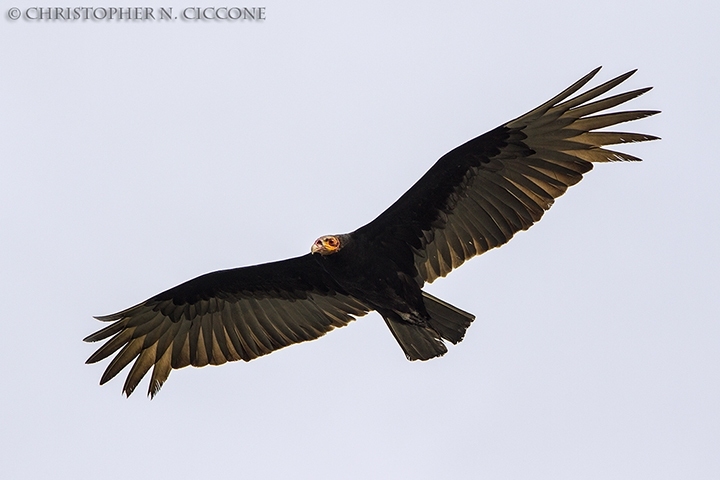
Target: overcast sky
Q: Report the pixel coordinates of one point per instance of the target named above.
(138, 154)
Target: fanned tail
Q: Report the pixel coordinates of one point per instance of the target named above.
(423, 342)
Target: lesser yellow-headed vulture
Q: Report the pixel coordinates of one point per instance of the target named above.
(476, 197)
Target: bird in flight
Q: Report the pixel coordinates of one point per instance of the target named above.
(475, 198)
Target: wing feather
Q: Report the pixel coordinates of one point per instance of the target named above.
(126, 355)
(242, 319)
(493, 231)
(257, 336)
(230, 319)
(203, 345)
(480, 194)
(112, 345)
(223, 316)
(181, 346)
(161, 372)
(220, 351)
(145, 360)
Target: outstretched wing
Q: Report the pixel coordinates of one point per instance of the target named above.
(480, 194)
(237, 314)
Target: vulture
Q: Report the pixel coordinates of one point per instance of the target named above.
(473, 199)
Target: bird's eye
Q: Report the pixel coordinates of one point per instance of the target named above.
(332, 241)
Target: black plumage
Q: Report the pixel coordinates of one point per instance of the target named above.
(476, 197)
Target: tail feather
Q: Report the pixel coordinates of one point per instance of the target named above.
(449, 321)
(423, 342)
(417, 341)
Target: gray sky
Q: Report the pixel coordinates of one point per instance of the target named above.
(136, 155)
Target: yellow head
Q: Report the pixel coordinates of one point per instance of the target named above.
(326, 245)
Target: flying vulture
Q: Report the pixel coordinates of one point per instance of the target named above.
(476, 197)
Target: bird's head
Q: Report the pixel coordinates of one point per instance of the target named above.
(328, 244)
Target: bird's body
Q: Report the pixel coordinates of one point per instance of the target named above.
(475, 198)
(367, 270)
